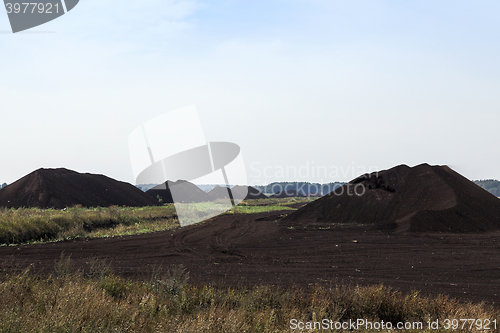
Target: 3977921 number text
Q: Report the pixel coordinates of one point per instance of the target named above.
(32, 8)
(454, 324)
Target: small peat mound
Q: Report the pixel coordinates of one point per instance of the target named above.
(248, 192)
(219, 192)
(238, 192)
(180, 191)
(60, 188)
(423, 198)
(313, 195)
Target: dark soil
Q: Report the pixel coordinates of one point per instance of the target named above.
(60, 188)
(236, 250)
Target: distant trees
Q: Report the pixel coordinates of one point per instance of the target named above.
(490, 185)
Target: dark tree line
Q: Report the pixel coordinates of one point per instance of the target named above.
(490, 185)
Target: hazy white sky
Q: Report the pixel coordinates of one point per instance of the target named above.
(302, 86)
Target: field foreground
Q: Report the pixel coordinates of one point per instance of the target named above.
(258, 249)
(99, 301)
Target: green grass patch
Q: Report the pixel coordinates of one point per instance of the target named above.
(33, 225)
(277, 201)
(256, 209)
(28, 225)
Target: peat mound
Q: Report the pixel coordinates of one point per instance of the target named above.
(423, 198)
(60, 188)
(219, 192)
(252, 192)
(182, 191)
(287, 194)
(238, 191)
(313, 195)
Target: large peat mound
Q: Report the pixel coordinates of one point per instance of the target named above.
(60, 188)
(423, 198)
(181, 190)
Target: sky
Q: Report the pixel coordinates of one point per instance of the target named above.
(318, 90)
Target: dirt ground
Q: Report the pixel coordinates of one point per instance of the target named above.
(236, 250)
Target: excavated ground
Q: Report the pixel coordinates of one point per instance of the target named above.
(250, 249)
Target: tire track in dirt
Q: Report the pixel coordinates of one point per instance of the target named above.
(224, 241)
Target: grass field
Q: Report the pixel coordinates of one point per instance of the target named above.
(28, 225)
(32, 225)
(95, 300)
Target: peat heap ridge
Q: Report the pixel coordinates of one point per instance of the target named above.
(60, 188)
(423, 198)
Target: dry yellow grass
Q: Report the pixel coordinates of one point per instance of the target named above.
(98, 301)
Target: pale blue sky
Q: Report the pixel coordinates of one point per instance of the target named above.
(339, 84)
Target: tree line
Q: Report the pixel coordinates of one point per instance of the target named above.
(490, 185)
